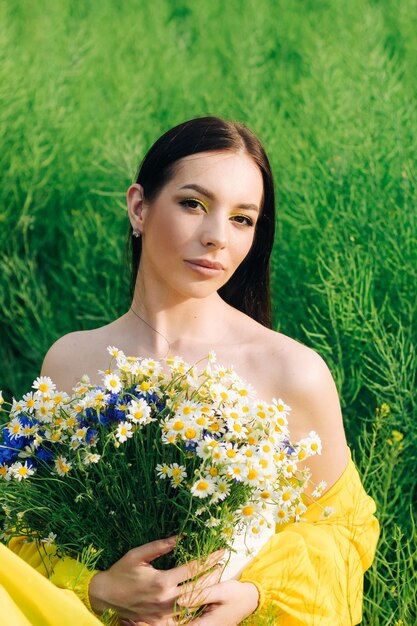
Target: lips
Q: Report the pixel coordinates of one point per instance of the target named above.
(213, 265)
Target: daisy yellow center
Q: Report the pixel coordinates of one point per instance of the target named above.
(123, 430)
(16, 429)
(113, 382)
(190, 433)
(214, 471)
(280, 407)
(249, 453)
(187, 410)
(264, 463)
(22, 471)
(237, 428)
(214, 427)
(286, 496)
(231, 454)
(243, 392)
(265, 495)
(224, 395)
(248, 511)
(255, 530)
(314, 446)
(202, 485)
(145, 386)
(3, 471)
(176, 472)
(43, 387)
(252, 474)
(302, 454)
(63, 466)
(137, 415)
(56, 436)
(179, 425)
(201, 421)
(281, 514)
(31, 402)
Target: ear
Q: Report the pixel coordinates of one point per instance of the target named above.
(136, 206)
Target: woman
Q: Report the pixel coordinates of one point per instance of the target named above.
(202, 225)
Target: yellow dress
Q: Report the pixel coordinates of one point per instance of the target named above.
(29, 599)
(307, 574)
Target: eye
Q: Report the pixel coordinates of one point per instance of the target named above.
(243, 219)
(189, 202)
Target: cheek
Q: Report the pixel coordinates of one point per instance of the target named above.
(168, 233)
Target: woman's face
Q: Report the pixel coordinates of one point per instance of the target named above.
(201, 225)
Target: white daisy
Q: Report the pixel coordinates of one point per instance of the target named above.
(162, 470)
(112, 382)
(20, 471)
(203, 487)
(43, 385)
(124, 431)
(320, 488)
(139, 412)
(49, 540)
(62, 466)
(15, 428)
(91, 457)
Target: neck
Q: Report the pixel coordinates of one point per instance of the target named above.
(175, 324)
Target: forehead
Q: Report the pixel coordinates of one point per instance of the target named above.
(222, 171)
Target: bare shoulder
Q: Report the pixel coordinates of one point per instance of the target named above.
(68, 358)
(299, 375)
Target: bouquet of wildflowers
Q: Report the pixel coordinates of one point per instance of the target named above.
(159, 449)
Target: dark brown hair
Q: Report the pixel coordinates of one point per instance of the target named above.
(248, 289)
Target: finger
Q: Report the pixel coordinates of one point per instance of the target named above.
(189, 570)
(210, 595)
(194, 594)
(150, 551)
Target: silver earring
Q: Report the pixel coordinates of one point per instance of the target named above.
(136, 232)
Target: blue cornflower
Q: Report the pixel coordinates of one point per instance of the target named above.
(7, 455)
(91, 433)
(44, 454)
(104, 418)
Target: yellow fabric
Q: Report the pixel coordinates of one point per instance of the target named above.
(311, 573)
(28, 599)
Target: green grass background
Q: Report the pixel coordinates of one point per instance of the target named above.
(330, 88)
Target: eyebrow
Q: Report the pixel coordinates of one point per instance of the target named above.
(210, 195)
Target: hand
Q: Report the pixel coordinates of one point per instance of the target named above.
(141, 593)
(228, 603)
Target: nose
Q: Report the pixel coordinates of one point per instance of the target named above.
(214, 231)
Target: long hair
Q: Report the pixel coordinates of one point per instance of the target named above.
(248, 289)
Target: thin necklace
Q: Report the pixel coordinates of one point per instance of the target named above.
(155, 331)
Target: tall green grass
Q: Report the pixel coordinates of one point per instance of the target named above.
(330, 87)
